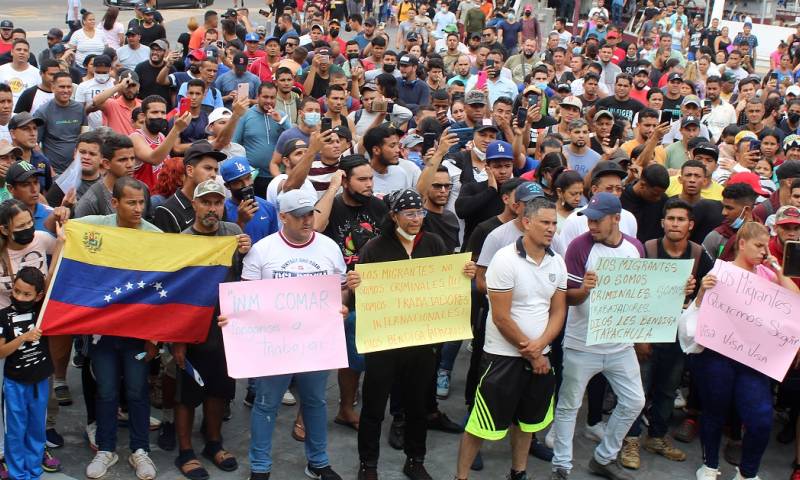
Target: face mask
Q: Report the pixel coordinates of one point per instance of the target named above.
(352, 56)
(416, 157)
(312, 119)
(24, 237)
(23, 306)
(101, 77)
(242, 193)
(334, 32)
(388, 68)
(737, 224)
(157, 125)
(405, 235)
(542, 86)
(545, 183)
(794, 117)
(195, 69)
(478, 153)
(510, 18)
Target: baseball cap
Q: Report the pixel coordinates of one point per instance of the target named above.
(6, 25)
(200, 149)
(748, 24)
(791, 141)
(412, 36)
(475, 97)
(675, 76)
(252, 37)
(272, 38)
(23, 118)
(240, 60)
(286, 36)
(234, 168)
(128, 74)
(20, 171)
(408, 60)
(217, 114)
(343, 132)
(601, 205)
(198, 54)
(297, 203)
(212, 52)
(691, 99)
(450, 28)
(292, 145)
(748, 178)
(706, 148)
(55, 33)
(788, 169)
(133, 31)
(58, 49)
(148, 11)
(486, 124)
(564, 87)
(319, 27)
(6, 148)
(499, 150)
(411, 140)
(371, 22)
(572, 101)
(729, 77)
(743, 135)
(608, 167)
(787, 214)
(641, 70)
(160, 43)
(370, 86)
(527, 191)
(603, 113)
(261, 30)
(102, 61)
(793, 90)
(690, 120)
(612, 34)
(229, 13)
(208, 187)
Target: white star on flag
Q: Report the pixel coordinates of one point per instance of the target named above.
(162, 293)
(107, 298)
(129, 286)
(157, 285)
(117, 291)
(141, 284)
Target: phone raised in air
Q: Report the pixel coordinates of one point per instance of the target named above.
(791, 259)
(326, 124)
(242, 91)
(428, 140)
(666, 117)
(184, 106)
(522, 116)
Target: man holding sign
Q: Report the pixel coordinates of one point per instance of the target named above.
(527, 285)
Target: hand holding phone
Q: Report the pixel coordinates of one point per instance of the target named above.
(326, 124)
(242, 90)
(482, 75)
(666, 116)
(184, 106)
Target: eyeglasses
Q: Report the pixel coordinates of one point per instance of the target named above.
(614, 189)
(442, 186)
(291, 44)
(412, 214)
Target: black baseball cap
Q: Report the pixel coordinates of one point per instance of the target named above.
(608, 167)
(240, 60)
(23, 118)
(20, 171)
(200, 149)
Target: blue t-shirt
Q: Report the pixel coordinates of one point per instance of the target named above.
(263, 223)
(196, 129)
(583, 164)
(510, 31)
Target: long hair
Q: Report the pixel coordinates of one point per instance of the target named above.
(110, 18)
(170, 177)
(8, 210)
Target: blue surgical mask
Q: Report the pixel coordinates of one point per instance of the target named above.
(737, 224)
(545, 183)
(542, 86)
(312, 119)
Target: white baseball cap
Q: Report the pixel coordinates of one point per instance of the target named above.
(217, 114)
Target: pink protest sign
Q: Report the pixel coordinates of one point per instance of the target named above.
(751, 320)
(282, 326)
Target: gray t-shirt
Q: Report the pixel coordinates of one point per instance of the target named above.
(288, 136)
(59, 134)
(581, 163)
(505, 234)
(395, 178)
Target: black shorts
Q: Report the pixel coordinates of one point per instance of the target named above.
(509, 392)
(213, 369)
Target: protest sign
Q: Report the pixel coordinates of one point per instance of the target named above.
(751, 320)
(412, 302)
(281, 326)
(637, 300)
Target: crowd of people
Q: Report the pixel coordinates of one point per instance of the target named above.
(539, 149)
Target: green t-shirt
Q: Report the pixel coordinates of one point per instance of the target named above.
(111, 221)
(676, 155)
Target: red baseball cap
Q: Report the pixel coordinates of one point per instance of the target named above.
(749, 178)
(612, 34)
(198, 54)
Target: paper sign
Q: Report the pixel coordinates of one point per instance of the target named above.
(282, 326)
(412, 302)
(70, 179)
(637, 300)
(751, 320)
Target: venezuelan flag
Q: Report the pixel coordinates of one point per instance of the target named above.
(131, 283)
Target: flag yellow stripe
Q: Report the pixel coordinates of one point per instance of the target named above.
(130, 249)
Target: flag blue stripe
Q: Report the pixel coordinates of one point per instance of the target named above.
(87, 285)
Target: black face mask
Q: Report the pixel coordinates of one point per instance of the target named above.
(359, 197)
(794, 117)
(388, 68)
(243, 193)
(527, 14)
(24, 237)
(334, 32)
(347, 28)
(195, 69)
(352, 56)
(23, 307)
(157, 125)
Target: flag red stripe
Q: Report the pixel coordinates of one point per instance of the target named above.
(165, 323)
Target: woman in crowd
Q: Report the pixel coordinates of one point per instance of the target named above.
(87, 40)
(113, 31)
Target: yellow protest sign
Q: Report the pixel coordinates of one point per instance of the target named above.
(412, 302)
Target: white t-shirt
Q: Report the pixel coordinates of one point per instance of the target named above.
(86, 92)
(532, 287)
(130, 57)
(272, 188)
(275, 257)
(111, 37)
(85, 45)
(40, 98)
(504, 235)
(395, 178)
(576, 225)
(19, 81)
(4, 135)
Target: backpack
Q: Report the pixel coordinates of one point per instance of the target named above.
(651, 250)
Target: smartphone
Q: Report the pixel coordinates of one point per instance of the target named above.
(791, 259)
(184, 106)
(755, 145)
(616, 133)
(326, 124)
(533, 99)
(220, 44)
(666, 116)
(481, 80)
(379, 106)
(706, 103)
(354, 62)
(490, 62)
(264, 12)
(324, 58)
(522, 116)
(428, 140)
(464, 136)
(242, 91)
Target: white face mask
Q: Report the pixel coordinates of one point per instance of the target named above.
(478, 153)
(101, 77)
(312, 119)
(405, 235)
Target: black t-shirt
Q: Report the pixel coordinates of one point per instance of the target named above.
(620, 109)
(30, 363)
(704, 266)
(629, 65)
(710, 36)
(648, 215)
(445, 225)
(707, 217)
(147, 81)
(352, 227)
(150, 35)
(673, 105)
(55, 196)
(587, 104)
(478, 237)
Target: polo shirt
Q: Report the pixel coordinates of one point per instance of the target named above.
(176, 214)
(532, 286)
(117, 115)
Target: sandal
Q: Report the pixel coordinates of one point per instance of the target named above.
(299, 432)
(192, 469)
(222, 459)
(345, 423)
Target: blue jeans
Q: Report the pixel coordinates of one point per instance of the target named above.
(616, 14)
(661, 376)
(310, 386)
(449, 354)
(112, 358)
(25, 406)
(723, 383)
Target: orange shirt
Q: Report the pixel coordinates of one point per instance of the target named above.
(197, 37)
(117, 114)
(486, 8)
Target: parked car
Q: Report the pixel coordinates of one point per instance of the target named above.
(161, 4)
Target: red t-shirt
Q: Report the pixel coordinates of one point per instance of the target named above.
(261, 69)
(145, 172)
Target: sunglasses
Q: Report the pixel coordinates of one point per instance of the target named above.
(442, 186)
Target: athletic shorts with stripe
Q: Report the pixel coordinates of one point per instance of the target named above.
(509, 392)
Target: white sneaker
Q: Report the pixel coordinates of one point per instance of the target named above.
(705, 473)
(595, 432)
(288, 399)
(155, 423)
(100, 464)
(140, 461)
(740, 477)
(550, 438)
(91, 435)
(680, 400)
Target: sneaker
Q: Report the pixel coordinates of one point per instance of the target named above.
(145, 468)
(288, 399)
(54, 439)
(687, 431)
(550, 438)
(367, 471)
(559, 474)
(322, 473)
(595, 432)
(249, 398)
(397, 434)
(612, 471)
(50, 464)
(78, 360)
(166, 437)
(680, 400)
(63, 396)
(629, 455)
(91, 435)
(733, 452)
(706, 473)
(739, 476)
(662, 446)
(440, 421)
(443, 384)
(100, 464)
(540, 450)
(512, 475)
(477, 464)
(259, 476)
(155, 424)
(415, 470)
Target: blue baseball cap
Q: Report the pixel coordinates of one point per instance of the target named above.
(272, 39)
(252, 37)
(527, 191)
(600, 205)
(235, 168)
(499, 150)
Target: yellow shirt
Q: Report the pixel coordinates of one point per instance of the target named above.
(660, 153)
(713, 192)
